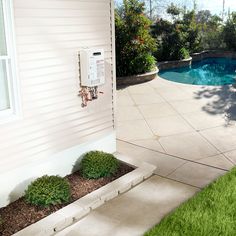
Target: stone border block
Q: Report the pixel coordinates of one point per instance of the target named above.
(147, 169)
(90, 201)
(128, 160)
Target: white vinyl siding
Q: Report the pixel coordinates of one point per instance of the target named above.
(49, 35)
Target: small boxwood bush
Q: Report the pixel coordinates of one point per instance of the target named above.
(48, 190)
(97, 164)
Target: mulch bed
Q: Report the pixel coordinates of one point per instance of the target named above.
(19, 214)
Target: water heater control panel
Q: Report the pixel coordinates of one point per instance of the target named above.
(92, 67)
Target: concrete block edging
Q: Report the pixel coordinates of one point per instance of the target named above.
(75, 211)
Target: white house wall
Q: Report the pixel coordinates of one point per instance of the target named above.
(49, 34)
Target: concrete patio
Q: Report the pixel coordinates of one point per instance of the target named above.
(195, 123)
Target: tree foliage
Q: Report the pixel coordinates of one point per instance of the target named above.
(173, 10)
(134, 43)
(191, 31)
(178, 38)
(211, 27)
(182, 33)
(229, 32)
(203, 16)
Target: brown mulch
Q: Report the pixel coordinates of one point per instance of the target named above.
(19, 214)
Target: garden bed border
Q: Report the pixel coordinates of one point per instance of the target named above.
(75, 211)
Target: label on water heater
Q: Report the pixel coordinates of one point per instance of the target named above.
(93, 60)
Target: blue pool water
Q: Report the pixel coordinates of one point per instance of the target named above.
(210, 71)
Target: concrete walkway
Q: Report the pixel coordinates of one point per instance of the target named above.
(136, 211)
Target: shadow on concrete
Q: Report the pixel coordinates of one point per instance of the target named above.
(222, 101)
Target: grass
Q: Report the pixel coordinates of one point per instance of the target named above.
(211, 212)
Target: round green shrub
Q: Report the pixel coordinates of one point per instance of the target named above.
(48, 190)
(143, 63)
(97, 164)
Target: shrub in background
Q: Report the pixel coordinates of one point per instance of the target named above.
(184, 53)
(146, 60)
(177, 38)
(48, 190)
(211, 29)
(172, 44)
(229, 32)
(134, 43)
(191, 31)
(97, 164)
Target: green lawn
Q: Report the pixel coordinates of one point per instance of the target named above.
(212, 212)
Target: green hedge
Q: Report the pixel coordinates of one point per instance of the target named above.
(48, 190)
(97, 164)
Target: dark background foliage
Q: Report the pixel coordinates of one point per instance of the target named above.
(229, 32)
(176, 37)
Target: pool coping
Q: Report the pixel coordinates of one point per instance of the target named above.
(165, 65)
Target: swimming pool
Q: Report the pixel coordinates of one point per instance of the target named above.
(209, 71)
